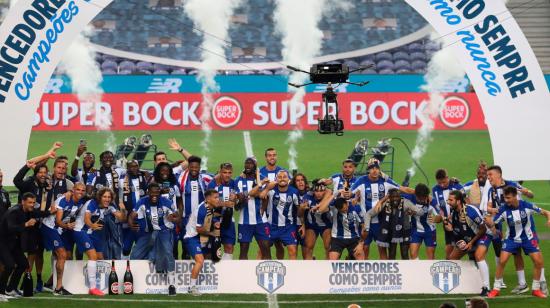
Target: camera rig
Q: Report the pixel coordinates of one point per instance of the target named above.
(329, 74)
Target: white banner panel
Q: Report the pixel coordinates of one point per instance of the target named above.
(291, 277)
(33, 37)
(507, 78)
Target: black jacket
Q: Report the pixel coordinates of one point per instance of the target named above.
(12, 225)
(27, 184)
(4, 201)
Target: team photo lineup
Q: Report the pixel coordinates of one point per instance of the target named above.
(197, 153)
(97, 210)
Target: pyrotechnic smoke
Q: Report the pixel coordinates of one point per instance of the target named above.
(298, 24)
(443, 68)
(81, 67)
(213, 18)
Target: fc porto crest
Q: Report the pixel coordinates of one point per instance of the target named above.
(271, 275)
(103, 269)
(445, 275)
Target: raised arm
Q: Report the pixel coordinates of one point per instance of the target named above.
(79, 151)
(323, 206)
(49, 154)
(174, 145)
(19, 178)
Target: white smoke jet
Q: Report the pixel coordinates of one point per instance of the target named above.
(213, 18)
(443, 68)
(81, 67)
(298, 24)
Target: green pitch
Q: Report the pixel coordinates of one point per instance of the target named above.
(319, 156)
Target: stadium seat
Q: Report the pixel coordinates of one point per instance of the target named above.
(384, 64)
(386, 72)
(109, 65)
(179, 71)
(127, 65)
(108, 72)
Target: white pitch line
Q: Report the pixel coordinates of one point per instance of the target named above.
(272, 301)
(248, 144)
(127, 300)
(297, 302)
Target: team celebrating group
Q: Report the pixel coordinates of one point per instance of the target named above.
(110, 212)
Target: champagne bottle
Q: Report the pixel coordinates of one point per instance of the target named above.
(27, 285)
(128, 280)
(113, 280)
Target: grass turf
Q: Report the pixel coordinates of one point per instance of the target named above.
(319, 156)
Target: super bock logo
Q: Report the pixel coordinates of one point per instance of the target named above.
(445, 275)
(103, 269)
(271, 275)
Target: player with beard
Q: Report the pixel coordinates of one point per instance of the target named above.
(134, 187)
(88, 162)
(491, 201)
(41, 186)
(192, 185)
(317, 224)
(393, 213)
(476, 188)
(440, 195)
(271, 169)
(155, 217)
(252, 218)
(341, 181)
(170, 189)
(282, 208)
(299, 181)
(12, 224)
(227, 189)
(469, 234)
(520, 236)
(367, 190)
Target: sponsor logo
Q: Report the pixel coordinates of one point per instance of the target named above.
(455, 112)
(54, 86)
(165, 85)
(226, 112)
(103, 269)
(271, 275)
(445, 275)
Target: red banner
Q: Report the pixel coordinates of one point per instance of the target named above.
(253, 111)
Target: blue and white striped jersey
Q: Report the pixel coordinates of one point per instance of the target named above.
(495, 195)
(317, 219)
(97, 213)
(196, 219)
(338, 182)
(250, 212)
(282, 207)
(440, 195)
(520, 223)
(271, 174)
(420, 222)
(154, 216)
(347, 225)
(372, 191)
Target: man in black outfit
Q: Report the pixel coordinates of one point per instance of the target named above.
(4, 197)
(12, 225)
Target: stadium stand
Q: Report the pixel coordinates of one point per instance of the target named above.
(376, 32)
(533, 18)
